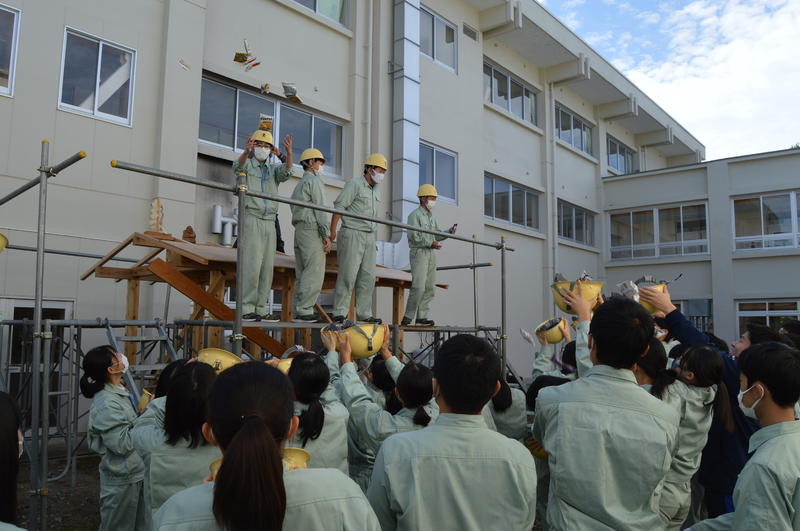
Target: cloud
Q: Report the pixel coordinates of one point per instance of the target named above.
(571, 4)
(649, 17)
(570, 19)
(729, 75)
(596, 39)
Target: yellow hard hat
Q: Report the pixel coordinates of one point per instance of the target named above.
(3, 242)
(144, 400)
(550, 331)
(366, 339)
(376, 159)
(263, 136)
(311, 153)
(294, 458)
(647, 306)
(589, 288)
(284, 365)
(218, 358)
(427, 190)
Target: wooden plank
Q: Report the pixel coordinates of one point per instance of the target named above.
(305, 338)
(398, 308)
(131, 314)
(119, 273)
(112, 253)
(216, 288)
(351, 313)
(217, 308)
(198, 331)
(149, 256)
(321, 311)
(287, 291)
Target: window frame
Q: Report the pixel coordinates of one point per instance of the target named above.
(526, 88)
(96, 113)
(12, 62)
(657, 243)
(435, 148)
(585, 124)
(587, 213)
(793, 234)
(766, 312)
(276, 124)
(316, 11)
(620, 146)
(433, 57)
(528, 191)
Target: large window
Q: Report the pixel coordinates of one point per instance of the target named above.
(505, 201)
(228, 116)
(509, 93)
(333, 9)
(573, 130)
(620, 157)
(664, 231)
(439, 168)
(769, 313)
(575, 223)
(437, 38)
(97, 77)
(9, 31)
(767, 221)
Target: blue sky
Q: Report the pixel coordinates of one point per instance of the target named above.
(727, 70)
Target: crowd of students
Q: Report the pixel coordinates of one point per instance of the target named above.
(632, 430)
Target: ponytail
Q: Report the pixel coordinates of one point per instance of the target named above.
(421, 417)
(708, 368)
(501, 401)
(310, 376)
(251, 471)
(415, 387)
(312, 420)
(654, 365)
(95, 370)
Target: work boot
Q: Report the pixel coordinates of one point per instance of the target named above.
(338, 319)
(271, 318)
(371, 320)
(310, 318)
(405, 322)
(424, 322)
(252, 316)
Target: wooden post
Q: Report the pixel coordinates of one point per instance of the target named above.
(216, 288)
(197, 331)
(287, 334)
(351, 314)
(132, 314)
(398, 307)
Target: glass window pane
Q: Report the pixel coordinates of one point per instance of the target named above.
(613, 161)
(777, 212)
(328, 139)
(620, 229)
(425, 164)
(783, 306)
(115, 81)
(744, 321)
(217, 113)
(529, 112)
(487, 82)
(445, 175)
(332, 9)
(694, 222)
(643, 230)
(6, 47)
(752, 306)
(518, 206)
(517, 106)
(589, 229)
(501, 199)
(669, 224)
(580, 225)
(532, 210)
(488, 199)
(747, 216)
(577, 134)
(445, 46)
(567, 221)
(297, 124)
(80, 72)
(565, 129)
(308, 3)
(500, 89)
(586, 139)
(251, 107)
(426, 33)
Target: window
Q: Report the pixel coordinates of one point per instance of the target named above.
(97, 78)
(438, 167)
(9, 31)
(333, 9)
(769, 313)
(573, 130)
(225, 109)
(665, 231)
(767, 221)
(620, 157)
(437, 38)
(575, 223)
(504, 201)
(509, 93)
(698, 311)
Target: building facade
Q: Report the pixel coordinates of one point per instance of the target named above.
(522, 127)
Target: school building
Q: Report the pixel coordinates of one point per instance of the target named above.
(524, 129)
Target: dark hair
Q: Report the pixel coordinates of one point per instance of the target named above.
(794, 338)
(187, 401)
(654, 365)
(677, 351)
(382, 379)
(709, 368)
(95, 369)
(757, 333)
(250, 409)
(164, 379)
(307, 163)
(467, 369)
(621, 329)
(538, 384)
(310, 377)
(502, 399)
(777, 366)
(791, 326)
(10, 423)
(568, 358)
(415, 387)
(717, 342)
(661, 322)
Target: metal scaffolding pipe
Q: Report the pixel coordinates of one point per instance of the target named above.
(50, 172)
(503, 336)
(66, 163)
(238, 338)
(460, 266)
(70, 253)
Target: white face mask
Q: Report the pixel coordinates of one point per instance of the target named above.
(431, 204)
(376, 176)
(261, 153)
(321, 169)
(125, 365)
(748, 411)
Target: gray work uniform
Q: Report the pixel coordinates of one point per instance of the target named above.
(423, 263)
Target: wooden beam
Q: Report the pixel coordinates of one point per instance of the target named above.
(144, 260)
(322, 313)
(217, 308)
(398, 308)
(287, 291)
(216, 288)
(111, 254)
(131, 314)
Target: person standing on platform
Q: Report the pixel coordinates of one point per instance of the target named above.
(423, 259)
(312, 237)
(356, 247)
(258, 225)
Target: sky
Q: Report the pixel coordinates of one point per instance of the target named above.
(727, 70)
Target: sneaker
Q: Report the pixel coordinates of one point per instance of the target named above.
(271, 318)
(424, 322)
(405, 322)
(371, 320)
(311, 318)
(252, 316)
(338, 319)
